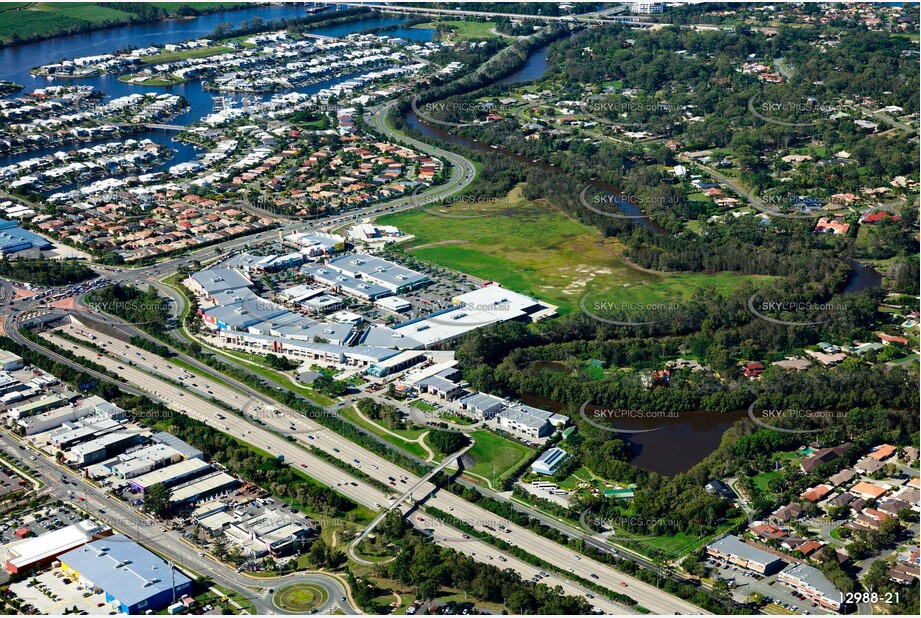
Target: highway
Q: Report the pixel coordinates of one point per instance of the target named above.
(286, 422)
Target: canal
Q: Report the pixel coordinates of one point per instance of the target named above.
(16, 62)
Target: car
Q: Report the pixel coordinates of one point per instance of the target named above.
(201, 554)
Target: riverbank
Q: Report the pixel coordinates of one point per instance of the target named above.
(29, 22)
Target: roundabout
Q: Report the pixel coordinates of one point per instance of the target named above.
(300, 598)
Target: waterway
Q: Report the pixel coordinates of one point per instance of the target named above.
(15, 62)
(667, 443)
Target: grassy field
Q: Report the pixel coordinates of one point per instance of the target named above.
(532, 248)
(465, 29)
(495, 456)
(150, 81)
(30, 20)
(185, 54)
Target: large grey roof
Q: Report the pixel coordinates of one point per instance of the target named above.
(815, 579)
(377, 269)
(735, 546)
(217, 279)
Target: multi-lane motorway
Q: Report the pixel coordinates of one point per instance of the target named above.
(281, 423)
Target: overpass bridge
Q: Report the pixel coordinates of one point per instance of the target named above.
(407, 494)
(589, 18)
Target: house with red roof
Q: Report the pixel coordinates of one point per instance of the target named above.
(831, 226)
(876, 217)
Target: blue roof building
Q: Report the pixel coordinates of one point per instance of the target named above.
(134, 580)
(13, 238)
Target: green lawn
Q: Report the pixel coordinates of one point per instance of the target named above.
(423, 405)
(465, 29)
(532, 248)
(185, 54)
(496, 456)
(29, 20)
(406, 444)
(761, 480)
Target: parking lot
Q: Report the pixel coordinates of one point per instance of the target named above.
(747, 582)
(52, 593)
(37, 523)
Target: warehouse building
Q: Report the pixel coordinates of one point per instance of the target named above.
(482, 406)
(487, 305)
(530, 421)
(185, 449)
(337, 281)
(14, 239)
(171, 475)
(204, 487)
(42, 550)
(134, 579)
(10, 361)
(70, 435)
(104, 447)
(210, 281)
(733, 550)
(271, 533)
(143, 460)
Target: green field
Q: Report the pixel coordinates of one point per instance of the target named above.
(185, 54)
(465, 29)
(495, 456)
(532, 248)
(24, 21)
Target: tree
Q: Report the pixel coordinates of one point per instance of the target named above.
(318, 554)
(157, 500)
(447, 442)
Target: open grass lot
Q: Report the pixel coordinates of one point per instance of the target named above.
(496, 456)
(185, 54)
(31, 20)
(532, 248)
(465, 29)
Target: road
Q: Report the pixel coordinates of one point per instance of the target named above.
(273, 438)
(60, 480)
